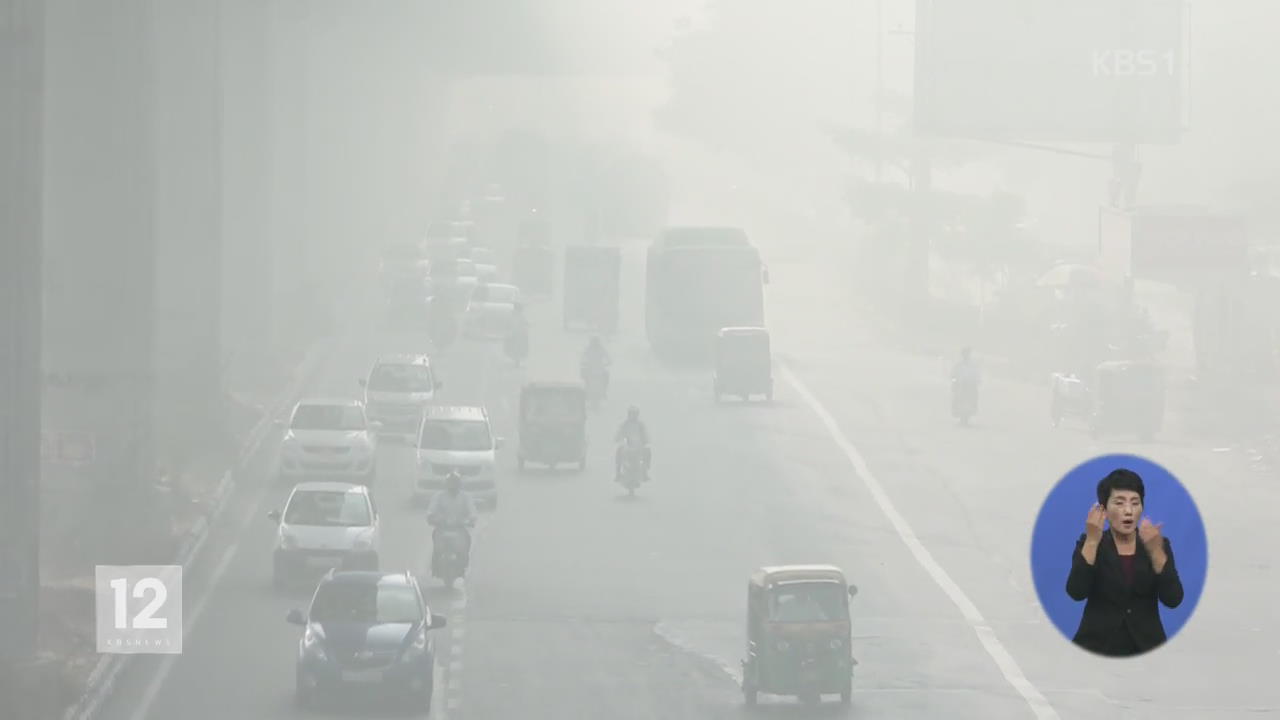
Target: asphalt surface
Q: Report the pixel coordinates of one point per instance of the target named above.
(582, 603)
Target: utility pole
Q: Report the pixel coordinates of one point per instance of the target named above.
(21, 237)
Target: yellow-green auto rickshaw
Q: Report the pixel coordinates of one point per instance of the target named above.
(744, 363)
(798, 634)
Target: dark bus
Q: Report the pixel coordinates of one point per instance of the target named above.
(697, 281)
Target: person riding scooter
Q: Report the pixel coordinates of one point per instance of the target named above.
(595, 359)
(632, 429)
(964, 386)
(451, 511)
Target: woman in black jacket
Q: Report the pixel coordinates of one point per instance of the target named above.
(1122, 572)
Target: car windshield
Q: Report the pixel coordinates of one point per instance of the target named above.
(466, 435)
(807, 602)
(328, 508)
(328, 417)
(365, 603)
(401, 378)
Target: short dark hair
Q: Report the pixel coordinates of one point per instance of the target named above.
(1120, 479)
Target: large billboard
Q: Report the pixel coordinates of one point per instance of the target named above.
(1052, 70)
(1171, 244)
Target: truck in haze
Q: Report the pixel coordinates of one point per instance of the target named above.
(697, 281)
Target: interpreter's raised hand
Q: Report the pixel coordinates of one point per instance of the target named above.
(1094, 523)
(1150, 535)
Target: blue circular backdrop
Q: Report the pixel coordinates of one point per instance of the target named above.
(1061, 522)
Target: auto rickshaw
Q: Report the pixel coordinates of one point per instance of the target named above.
(1069, 396)
(744, 363)
(1129, 398)
(553, 424)
(798, 634)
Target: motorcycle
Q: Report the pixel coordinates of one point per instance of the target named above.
(450, 559)
(633, 472)
(595, 376)
(964, 399)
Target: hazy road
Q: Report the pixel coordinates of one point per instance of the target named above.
(584, 604)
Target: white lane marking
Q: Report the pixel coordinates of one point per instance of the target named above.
(166, 665)
(143, 710)
(1004, 661)
(675, 638)
(439, 708)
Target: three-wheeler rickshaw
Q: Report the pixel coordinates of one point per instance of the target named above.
(743, 363)
(553, 424)
(798, 634)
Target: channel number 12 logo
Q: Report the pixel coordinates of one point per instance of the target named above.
(139, 609)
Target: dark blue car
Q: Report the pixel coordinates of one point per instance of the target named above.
(366, 630)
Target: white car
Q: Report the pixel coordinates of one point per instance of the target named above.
(325, 525)
(489, 311)
(330, 438)
(396, 391)
(486, 263)
(458, 439)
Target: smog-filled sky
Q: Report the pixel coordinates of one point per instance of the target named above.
(887, 359)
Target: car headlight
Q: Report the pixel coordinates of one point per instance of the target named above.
(783, 645)
(364, 542)
(287, 541)
(311, 644)
(837, 643)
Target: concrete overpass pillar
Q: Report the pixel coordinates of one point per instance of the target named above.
(247, 154)
(291, 195)
(188, 227)
(99, 311)
(21, 94)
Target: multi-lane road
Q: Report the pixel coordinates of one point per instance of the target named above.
(584, 604)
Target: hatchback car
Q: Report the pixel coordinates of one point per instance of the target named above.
(457, 439)
(490, 309)
(330, 438)
(325, 525)
(366, 630)
(397, 390)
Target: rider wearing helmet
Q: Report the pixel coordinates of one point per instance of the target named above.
(452, 510)
(632, 428)
(965, 370)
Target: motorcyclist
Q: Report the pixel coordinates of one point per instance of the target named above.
(451, 510)
(632, 429)
(965, 370)
(964, 378)
(596, 359)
